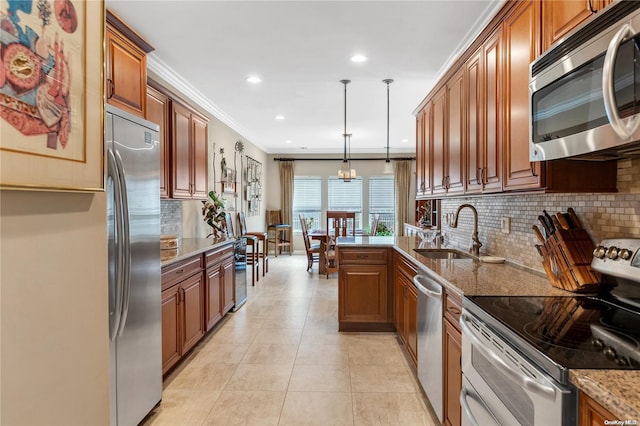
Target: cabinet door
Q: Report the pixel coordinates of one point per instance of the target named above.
(363, 293)
(199, 134)
(591, 413)
(229, 280)
(491, 173)
(171, 320)
(181, 152)
(158, 112)
(456, 132)
(562, 16)
(452, 374)
(474, 97)
(522, 46)
(439, 143)
(213, 296)
(412, 322)
(126, 73)
(399, 289)
(192, 311)
(421, 156)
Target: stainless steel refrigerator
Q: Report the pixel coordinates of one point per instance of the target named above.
(133, 217)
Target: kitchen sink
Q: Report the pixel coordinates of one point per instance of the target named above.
(443, 254)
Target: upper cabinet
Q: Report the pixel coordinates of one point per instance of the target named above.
(472, 130)
(158, 110)
(562, 16)
(126, 67)
(188, 153)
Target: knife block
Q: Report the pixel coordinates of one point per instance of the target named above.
(567, 257)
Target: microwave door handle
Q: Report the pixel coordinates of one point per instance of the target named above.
(622, 129)
(524, 381)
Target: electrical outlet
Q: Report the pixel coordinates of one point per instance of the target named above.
(505, 225)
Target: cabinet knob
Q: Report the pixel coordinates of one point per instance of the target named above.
(110, 88)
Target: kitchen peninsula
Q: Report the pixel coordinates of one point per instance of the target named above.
(364, 306)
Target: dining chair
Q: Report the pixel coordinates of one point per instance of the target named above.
(374, 224)
(252, 257)
(340, 224)
(313, 250)
(328, 258)
(263, 253)
(279, 234)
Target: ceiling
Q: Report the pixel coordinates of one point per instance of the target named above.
(301, 50)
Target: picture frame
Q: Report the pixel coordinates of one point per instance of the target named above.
(229, 181)
(52, 96)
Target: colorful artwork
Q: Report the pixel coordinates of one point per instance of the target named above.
(41, 77)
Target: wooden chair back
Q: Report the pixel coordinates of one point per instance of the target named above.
(340, 224)
(305, 232)
(242, 224)
(274, 217)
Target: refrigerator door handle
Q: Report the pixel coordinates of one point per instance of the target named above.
(118, 235)
(126, 282)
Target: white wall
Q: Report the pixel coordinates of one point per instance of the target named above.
(54, 309)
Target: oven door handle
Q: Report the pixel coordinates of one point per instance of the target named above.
(622, 129)
(464, 394)
(524, 381)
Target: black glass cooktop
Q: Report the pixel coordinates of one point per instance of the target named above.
(572, 332)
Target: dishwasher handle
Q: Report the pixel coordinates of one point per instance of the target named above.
(422, 287)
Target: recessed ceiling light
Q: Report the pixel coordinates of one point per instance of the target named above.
(254, 79)
(358, 58)
(405, 140)
(287, 141)
(279, 117)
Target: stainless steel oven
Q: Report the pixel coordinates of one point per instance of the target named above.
(585, 91)
(502, 387)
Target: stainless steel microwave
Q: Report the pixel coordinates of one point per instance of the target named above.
(584, 92)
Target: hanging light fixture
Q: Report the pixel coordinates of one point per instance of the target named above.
(346, 173)
(388, 168)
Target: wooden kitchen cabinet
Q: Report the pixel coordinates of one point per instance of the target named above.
(192, 311)
(591, 413)
(484, 118)
(559, 17)
(171, 320)
(452, 358)
(220, 285)
(521, 47)
(438, 158)
(423, 151)
(455, 137)
(188, 153)
(158, 111)
(363, 289)
(126, 66)
(406, 304)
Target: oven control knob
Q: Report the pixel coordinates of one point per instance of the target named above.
(622, 362)
(597, 343)
(609, 352)
(599, 252)
(612, 253)
(625, 254)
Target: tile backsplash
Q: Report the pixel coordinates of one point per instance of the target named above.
(171, 217)
(602, 215)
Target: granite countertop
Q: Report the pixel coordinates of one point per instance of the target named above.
(190, 247)
(616, 390)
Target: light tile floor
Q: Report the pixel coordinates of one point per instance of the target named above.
(280, 360)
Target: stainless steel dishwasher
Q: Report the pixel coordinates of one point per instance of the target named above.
(430, 340)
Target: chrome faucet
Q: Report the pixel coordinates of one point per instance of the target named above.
(476, 244)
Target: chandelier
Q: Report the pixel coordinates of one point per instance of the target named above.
(346, 173)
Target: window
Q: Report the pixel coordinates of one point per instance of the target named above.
(346, 196)
(382, 200)
(307, 200)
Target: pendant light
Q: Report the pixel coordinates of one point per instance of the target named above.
(346, 173)
(388, 167)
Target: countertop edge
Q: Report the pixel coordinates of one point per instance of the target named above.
(190, 247)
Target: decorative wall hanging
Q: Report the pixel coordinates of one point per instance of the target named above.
(253, 186)
(51, 90)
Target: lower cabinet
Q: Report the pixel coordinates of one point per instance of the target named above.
(452, 356)
(182, 319)
(591, 413)
(406, 305)
(196, 293)
(363, 290)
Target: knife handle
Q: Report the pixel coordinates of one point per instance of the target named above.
(574, 217)
(552, 225)
(538, 233)
(556, 223)
(562, 221)
(543, 221)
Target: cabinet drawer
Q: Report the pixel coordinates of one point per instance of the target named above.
(218, 254)
(362, 256)
(178, 271)
(452, 309)
(405, 266)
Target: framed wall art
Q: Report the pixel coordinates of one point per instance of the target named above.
(51, 95)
